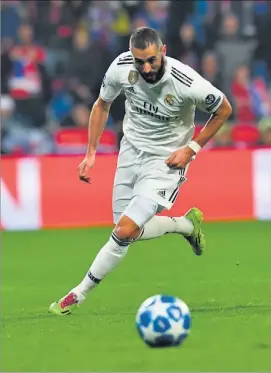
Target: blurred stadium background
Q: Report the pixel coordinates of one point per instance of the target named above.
(54, 55)
(53, 58)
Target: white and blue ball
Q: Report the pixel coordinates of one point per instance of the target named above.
(163, 321)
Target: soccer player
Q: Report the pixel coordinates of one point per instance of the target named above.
(156, 150)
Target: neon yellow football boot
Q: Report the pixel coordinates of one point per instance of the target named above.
(65, 306)
(196, 239)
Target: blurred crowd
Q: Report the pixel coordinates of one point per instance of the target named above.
(54, 54)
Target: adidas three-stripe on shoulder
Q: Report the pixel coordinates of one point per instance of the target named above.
(181, 77)
(127, 60)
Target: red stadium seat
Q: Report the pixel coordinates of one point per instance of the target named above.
(74, 141)
(245, 135)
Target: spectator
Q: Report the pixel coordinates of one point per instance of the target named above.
(99, 20)
(6, 65)
(242, 95)
(87, 65)
(54, 24)
(9, 119)
(10, 20)
(210, 70)
(139, 22)
(233, 50)
(131, 6)
(61, 102)
(262, 22)
(261, 99)
(187, 49)
(121, 25)
(154, 13)
(78, 118)
(178, 13)
(79, 8)
(28, 80)
(16, 135)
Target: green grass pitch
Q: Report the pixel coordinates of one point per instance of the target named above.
(228, 291)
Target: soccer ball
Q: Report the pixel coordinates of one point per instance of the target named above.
(163, 321)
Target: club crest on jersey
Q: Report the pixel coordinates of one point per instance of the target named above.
(169, 100)
(133, 77)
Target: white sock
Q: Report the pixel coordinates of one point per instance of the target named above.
(106, 260)
(160, 225)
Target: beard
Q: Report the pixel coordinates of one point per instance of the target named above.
(154, 76)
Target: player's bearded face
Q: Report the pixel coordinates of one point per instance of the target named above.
(150, 62)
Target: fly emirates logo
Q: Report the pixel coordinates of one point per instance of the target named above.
(152, 111)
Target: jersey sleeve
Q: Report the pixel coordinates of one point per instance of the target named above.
(203, 94)
(111, 85)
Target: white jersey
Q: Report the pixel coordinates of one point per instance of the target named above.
(159, 117)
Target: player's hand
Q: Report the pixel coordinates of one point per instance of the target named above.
(180, 158)
(84, 168)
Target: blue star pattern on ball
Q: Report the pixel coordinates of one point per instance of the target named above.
(163, 321)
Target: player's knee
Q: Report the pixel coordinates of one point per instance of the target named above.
(127, 229)
(140, 210)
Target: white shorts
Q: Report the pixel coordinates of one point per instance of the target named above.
(141, 173)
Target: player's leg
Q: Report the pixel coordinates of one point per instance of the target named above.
(116, 247)
(163, 185)
(188, 225)
(126, 231)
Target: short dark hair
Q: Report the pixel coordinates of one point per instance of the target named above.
(142, 37)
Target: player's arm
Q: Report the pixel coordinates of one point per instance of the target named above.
(209, 99)
(212, 101)
(216, 121)
(97, 121)
(110, 89)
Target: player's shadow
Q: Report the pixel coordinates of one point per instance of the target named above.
(235, 308)
(263, 346)
(6, 319)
